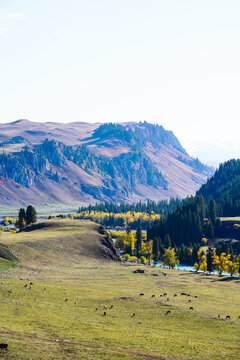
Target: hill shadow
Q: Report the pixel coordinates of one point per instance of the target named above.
(227, 279)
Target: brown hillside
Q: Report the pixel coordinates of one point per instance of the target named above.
(60, 241)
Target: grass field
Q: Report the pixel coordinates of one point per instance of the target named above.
(39, 323)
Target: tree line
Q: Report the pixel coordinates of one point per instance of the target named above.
(138, 247)
(162, 207)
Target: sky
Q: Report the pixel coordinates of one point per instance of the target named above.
(175, 63)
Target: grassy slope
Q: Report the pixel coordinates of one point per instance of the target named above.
(40, 324)
(57, 241)
(6, 264)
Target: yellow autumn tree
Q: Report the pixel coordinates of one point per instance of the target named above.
(232, 267)
(130, 239)
(203, 263)
(147, 249)
(198, 263)
(170, 259)
(221, 262)
(143, 260)
(238, 264)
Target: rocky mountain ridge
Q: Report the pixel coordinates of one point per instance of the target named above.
(44, 163)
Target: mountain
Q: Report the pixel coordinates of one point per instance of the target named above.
(224, 188)
(46, 163)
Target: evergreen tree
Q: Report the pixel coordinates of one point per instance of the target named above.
(128, 230)
(31, 215)
(160, 247)
(167, 241)
(209, 230)
(210, 255)
(212, 211)
(21, 218)
(139, 240)
(195, 253)
(128, 249)
(155, 249)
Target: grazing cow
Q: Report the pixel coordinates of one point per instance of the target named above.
(139, 323)
(2, 283)
(191, 308)
(188, 295)
(165, 294)
(29, 288)
(104, 314)
(160, 295)
(183, 293)
(105, 307)
(3, 346)
(239, 317)
(228, 317)
(174, 295)
(141, 294)
(66, 300)
(96, 309)
(196, 296)
(111, 307)
(153, 296)
(219, 316)
(25, 285)
(31, 283)
(167, 299)
(189, 300)
(168, 312)
(133, 314)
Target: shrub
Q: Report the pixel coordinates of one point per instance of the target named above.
(143, 259)
(126, 257)
(204, 241)
(133, 258)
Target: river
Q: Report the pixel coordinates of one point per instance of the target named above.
(184, 267)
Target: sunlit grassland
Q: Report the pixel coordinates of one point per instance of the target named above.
(41, 324)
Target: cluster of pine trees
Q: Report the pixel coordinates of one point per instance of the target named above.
(189, 223)
(162, 207)
(26, 217)
(224, 187)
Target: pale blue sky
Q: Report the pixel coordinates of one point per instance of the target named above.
(175, 63)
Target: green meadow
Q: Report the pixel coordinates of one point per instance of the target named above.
(61, 314)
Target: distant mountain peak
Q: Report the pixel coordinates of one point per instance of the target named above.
(82, 162)
(21, 121)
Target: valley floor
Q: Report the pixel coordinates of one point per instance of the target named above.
(42, 324)
(61, 315)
